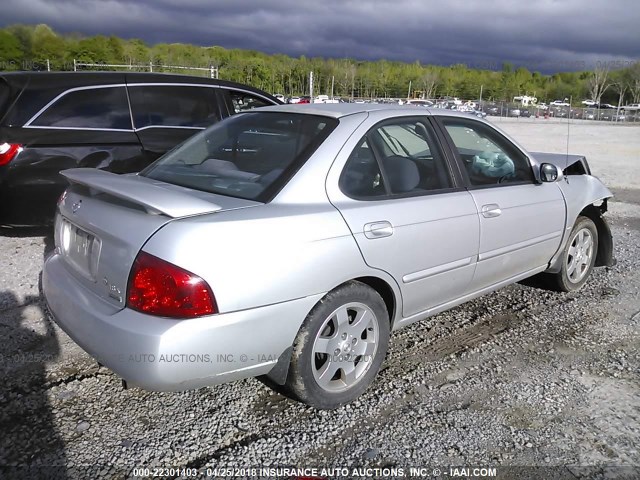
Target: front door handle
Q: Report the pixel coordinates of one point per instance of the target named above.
(378, 229)
(491, 210)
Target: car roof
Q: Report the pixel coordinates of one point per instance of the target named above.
(338, 110)
(89, 78)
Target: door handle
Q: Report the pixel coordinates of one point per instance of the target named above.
(491, 210)
(378, 229)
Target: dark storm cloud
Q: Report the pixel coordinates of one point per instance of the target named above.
(543, 35)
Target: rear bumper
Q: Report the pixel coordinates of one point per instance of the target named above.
(171, 355)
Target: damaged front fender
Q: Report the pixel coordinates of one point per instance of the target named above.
(585, 195)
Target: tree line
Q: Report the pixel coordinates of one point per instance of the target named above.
(30, 47)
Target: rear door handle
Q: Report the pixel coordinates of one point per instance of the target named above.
(378, 229)
(491, 210)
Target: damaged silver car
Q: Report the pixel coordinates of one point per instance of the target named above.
(286, 243)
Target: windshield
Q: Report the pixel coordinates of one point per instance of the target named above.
(250, 155)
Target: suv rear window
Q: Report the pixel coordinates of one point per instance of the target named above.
(173, 106)
(250, 155)
(99, 108)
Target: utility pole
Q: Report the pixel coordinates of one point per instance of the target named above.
(311, 87)
(480, 100)
(333, 79)
(409, 92)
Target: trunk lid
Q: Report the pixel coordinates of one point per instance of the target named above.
(104, 220)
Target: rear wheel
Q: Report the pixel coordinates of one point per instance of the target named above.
(340, 347)
(578, 258)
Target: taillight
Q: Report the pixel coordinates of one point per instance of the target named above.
(8, 151)
(161, 288)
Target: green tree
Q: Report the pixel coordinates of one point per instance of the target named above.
(11, 53)
(46, 45)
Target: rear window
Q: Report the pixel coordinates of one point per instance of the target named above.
(250, 155)
(99, 108)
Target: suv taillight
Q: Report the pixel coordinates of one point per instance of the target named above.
(8, 151)
(157, 287)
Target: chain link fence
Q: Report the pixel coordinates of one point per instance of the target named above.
(620, 115)
(514, 110)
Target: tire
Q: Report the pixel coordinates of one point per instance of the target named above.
(339, 348)
(578, 257)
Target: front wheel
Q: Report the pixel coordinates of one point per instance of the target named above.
(578, 258)
(340, 347)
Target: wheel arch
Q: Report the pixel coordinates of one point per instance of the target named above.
(278, 375)
(604, 255)
(385, 291)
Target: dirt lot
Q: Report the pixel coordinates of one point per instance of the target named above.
(519, 378)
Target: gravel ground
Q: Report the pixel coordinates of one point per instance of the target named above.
(519, 378)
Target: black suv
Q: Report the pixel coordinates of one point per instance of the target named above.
(120, 122)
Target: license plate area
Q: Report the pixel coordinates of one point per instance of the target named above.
(80, 248)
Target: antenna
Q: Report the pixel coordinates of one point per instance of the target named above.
(568, 126)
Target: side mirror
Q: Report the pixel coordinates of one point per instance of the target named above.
(548, 172)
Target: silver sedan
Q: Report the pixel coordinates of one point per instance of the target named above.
(286, 243)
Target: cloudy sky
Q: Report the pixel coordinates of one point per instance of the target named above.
(543, 35)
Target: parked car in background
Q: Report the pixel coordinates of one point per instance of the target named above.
(559, 103)
(472, 111)
(419, 102)
(492, 110)
(589, 103)
(325, 99)
(293, 100)
(118, 122)
(288, 242)
(514, 112)
(632, 107)
(279, 97)
(607, 115)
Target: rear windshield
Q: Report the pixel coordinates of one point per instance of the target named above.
(250, 155)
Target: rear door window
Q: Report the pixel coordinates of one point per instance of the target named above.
(399, 157)
(90, 108)
(173, 106)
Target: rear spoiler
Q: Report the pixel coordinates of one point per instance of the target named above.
(156, 197)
